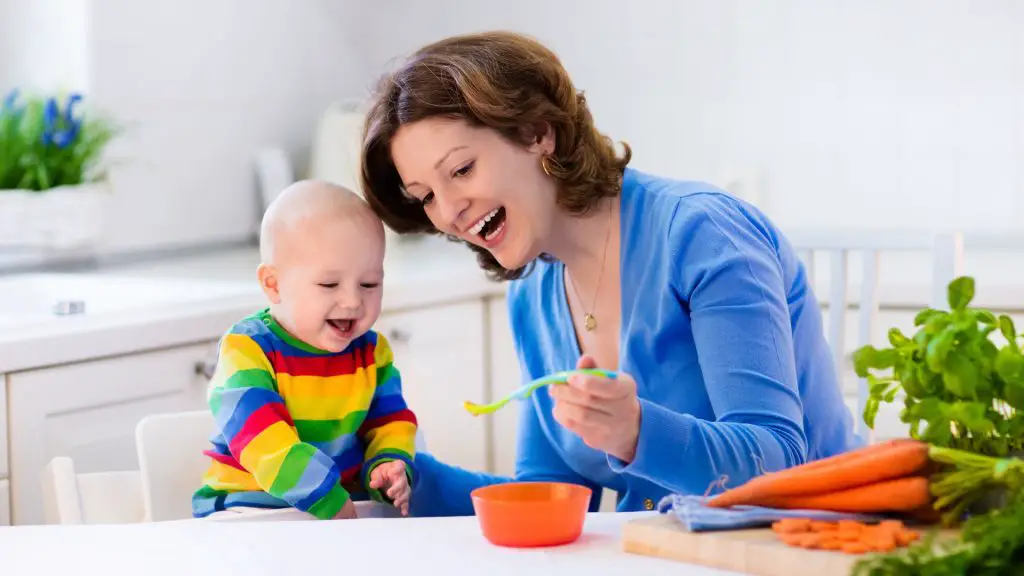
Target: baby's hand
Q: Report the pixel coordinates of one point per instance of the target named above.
(347, 512)
(390, 478)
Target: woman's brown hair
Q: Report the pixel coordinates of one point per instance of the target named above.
(500, 80)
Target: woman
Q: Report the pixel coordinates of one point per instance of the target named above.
(692, 296)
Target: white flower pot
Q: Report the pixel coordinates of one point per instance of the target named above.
(68, 217)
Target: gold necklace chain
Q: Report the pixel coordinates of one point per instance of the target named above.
(589, 321)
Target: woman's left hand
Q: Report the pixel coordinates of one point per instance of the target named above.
(604, 412)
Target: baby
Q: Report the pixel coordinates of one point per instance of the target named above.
(307, 401)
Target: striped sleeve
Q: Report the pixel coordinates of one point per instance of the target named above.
(389, 430)
(260, 433)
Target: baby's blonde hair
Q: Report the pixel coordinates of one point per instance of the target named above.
(303, 201)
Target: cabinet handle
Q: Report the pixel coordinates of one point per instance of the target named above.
(206, 368)
(399, 335)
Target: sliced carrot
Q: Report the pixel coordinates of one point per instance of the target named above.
(855, 548)
(865, 466)
(906, 537)
(831, 544)
(822, 526)
(791, 538)
(899, 495)
(848, 536)
(792, 525)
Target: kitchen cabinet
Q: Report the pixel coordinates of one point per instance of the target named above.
(88, 411)
(440, 354)
(3, 429)
(505, 377)
(5, 502)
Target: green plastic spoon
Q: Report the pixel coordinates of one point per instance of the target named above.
(523, 392)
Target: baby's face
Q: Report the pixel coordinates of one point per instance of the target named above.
(330, 276)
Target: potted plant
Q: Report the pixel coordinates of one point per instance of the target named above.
(53, 189)
(961, 387)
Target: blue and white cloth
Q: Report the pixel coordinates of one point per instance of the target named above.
(695, 516)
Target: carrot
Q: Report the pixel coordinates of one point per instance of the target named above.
(865, 466)
(899, 495)
(847, 536)
(792, 525)
(821, 526)
(855, 548)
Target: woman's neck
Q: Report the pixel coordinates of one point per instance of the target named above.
(586, 244)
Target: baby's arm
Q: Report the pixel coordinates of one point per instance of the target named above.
(390, 426)
(261, 435)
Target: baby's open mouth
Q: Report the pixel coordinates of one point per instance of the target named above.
(343, 327)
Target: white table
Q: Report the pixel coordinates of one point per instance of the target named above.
(405, 546)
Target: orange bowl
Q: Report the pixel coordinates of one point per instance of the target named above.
(528, 514)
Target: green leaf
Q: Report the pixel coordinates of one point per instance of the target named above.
(924, 315)
(898, 339)
(960, 292)
(1007, 328)
(891, 394)
(870, 412)
(961, 376)
(985, 317)
(910, 382)
(1009, 365)
(938, 349)
(868, 357)
(938, 431)
(1014, 395)
(973, 415)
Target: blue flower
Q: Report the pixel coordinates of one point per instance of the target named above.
(61, 129)
(10, 105)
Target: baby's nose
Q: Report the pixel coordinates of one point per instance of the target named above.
(350, 300)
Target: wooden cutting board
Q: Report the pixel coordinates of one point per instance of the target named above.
(753, 551)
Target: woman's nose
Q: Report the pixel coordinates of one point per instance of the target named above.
(452, 210)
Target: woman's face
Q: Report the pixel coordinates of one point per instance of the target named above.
(477, 185)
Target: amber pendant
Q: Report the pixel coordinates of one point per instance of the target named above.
(589, 322)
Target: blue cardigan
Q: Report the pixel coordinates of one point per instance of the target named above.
(723, 336)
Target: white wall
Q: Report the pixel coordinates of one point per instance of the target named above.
(44, 44)
(206, 84)
(200, 86)
(873, 113)
(876, 113)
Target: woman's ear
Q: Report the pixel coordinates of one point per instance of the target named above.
(541, 137)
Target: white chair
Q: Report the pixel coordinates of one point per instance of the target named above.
(171, 461)
(90, 498)
(946, 251)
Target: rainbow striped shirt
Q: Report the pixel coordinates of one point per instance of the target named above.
(301, 427)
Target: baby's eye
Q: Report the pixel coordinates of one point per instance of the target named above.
(328, 284)
(369, 285)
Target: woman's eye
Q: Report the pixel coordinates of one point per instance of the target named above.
(427, 199)
(464, 170)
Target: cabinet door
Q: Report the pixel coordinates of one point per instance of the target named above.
(88, 411)
(5, 503)
(439, 352)
(505, 377)
(3, 429)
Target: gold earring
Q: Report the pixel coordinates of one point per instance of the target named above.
(544, 165)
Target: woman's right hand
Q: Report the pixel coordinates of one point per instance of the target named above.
(347, 512)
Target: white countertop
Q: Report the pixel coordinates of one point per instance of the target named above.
(364, 546)
(193, 300)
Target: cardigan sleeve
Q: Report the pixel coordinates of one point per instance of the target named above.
(725, 271)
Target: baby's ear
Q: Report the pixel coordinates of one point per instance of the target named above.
(267, 276)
